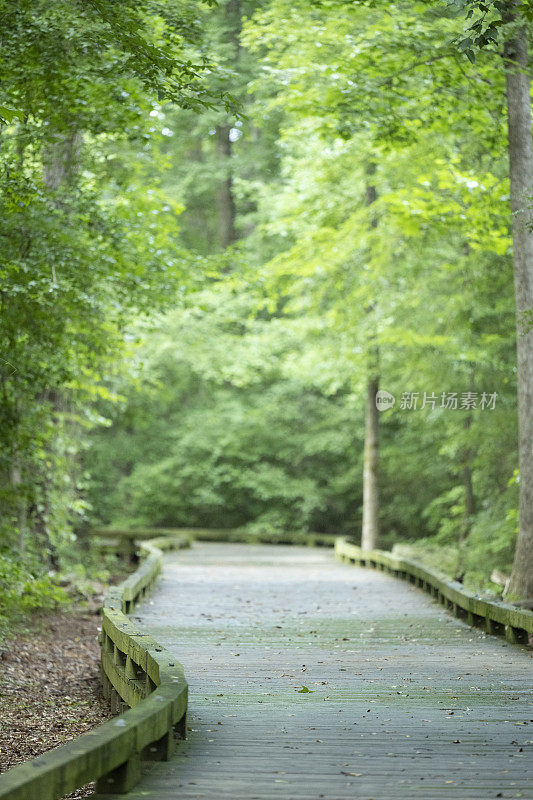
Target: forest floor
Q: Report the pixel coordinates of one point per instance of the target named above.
(50, 689)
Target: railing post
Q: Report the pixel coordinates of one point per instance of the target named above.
(493, 627)
(160, 750)
(130, 671)
(516, 635)
(106, 685)
(180, 727)
(122, 779)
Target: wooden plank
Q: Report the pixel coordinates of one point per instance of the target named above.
(405, 701)
(456, 593)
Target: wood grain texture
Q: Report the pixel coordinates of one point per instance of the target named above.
(405, 702)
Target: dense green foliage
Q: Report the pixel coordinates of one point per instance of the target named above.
(225, 432)
(81, 253)
(249, 409)
(238, 400)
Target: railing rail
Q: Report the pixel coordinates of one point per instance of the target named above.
(497, 618)
(140, 675)
(137, 673)
(125, 540)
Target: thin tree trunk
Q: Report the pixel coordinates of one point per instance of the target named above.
(370, 527)
(521, 175)
(467, 455)
(224, 197)
(21, 506)
(370, 530)
(225, 200)
(466, 526)
(61, 162)
(470, 505)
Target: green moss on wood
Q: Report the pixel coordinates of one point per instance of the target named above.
(110, 754)
(517, 622)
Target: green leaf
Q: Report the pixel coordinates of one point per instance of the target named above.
(9, 114)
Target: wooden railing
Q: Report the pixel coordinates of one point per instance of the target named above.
(496, 618)
(124, 541)
(139, 675)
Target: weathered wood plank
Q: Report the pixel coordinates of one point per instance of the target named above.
(517, 622)
(406, 701)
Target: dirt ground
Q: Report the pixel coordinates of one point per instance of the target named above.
(50, 689)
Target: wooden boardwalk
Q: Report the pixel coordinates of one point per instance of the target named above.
(404, 702)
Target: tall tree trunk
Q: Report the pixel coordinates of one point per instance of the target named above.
(467, 456)
(521, 175)
(21, 505)
(225, 200)
(470, 506)
(61, 163)
(370, 530)
(370, 527)
(224, 197)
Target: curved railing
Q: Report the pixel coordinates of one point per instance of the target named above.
(123, 541)
(502, 619)
(140, 675)
(137, 673)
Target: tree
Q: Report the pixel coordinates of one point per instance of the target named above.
(391, 77)
(80, 251)
(211, 435)
(370, 526)
(491, 25)
(518, 91)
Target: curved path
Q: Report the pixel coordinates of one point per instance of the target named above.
(404, 702)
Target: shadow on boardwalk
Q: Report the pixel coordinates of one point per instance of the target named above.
(404, 701)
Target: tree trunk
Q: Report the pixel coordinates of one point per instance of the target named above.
(470, 505)
(61, 159)
(521, 176)
(225, 201)
(224, 198)
(370, 531)
(21, 506)
(370, 528)
(467, 457)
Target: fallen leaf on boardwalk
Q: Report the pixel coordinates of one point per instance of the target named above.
(305, 690)
(352, 774)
